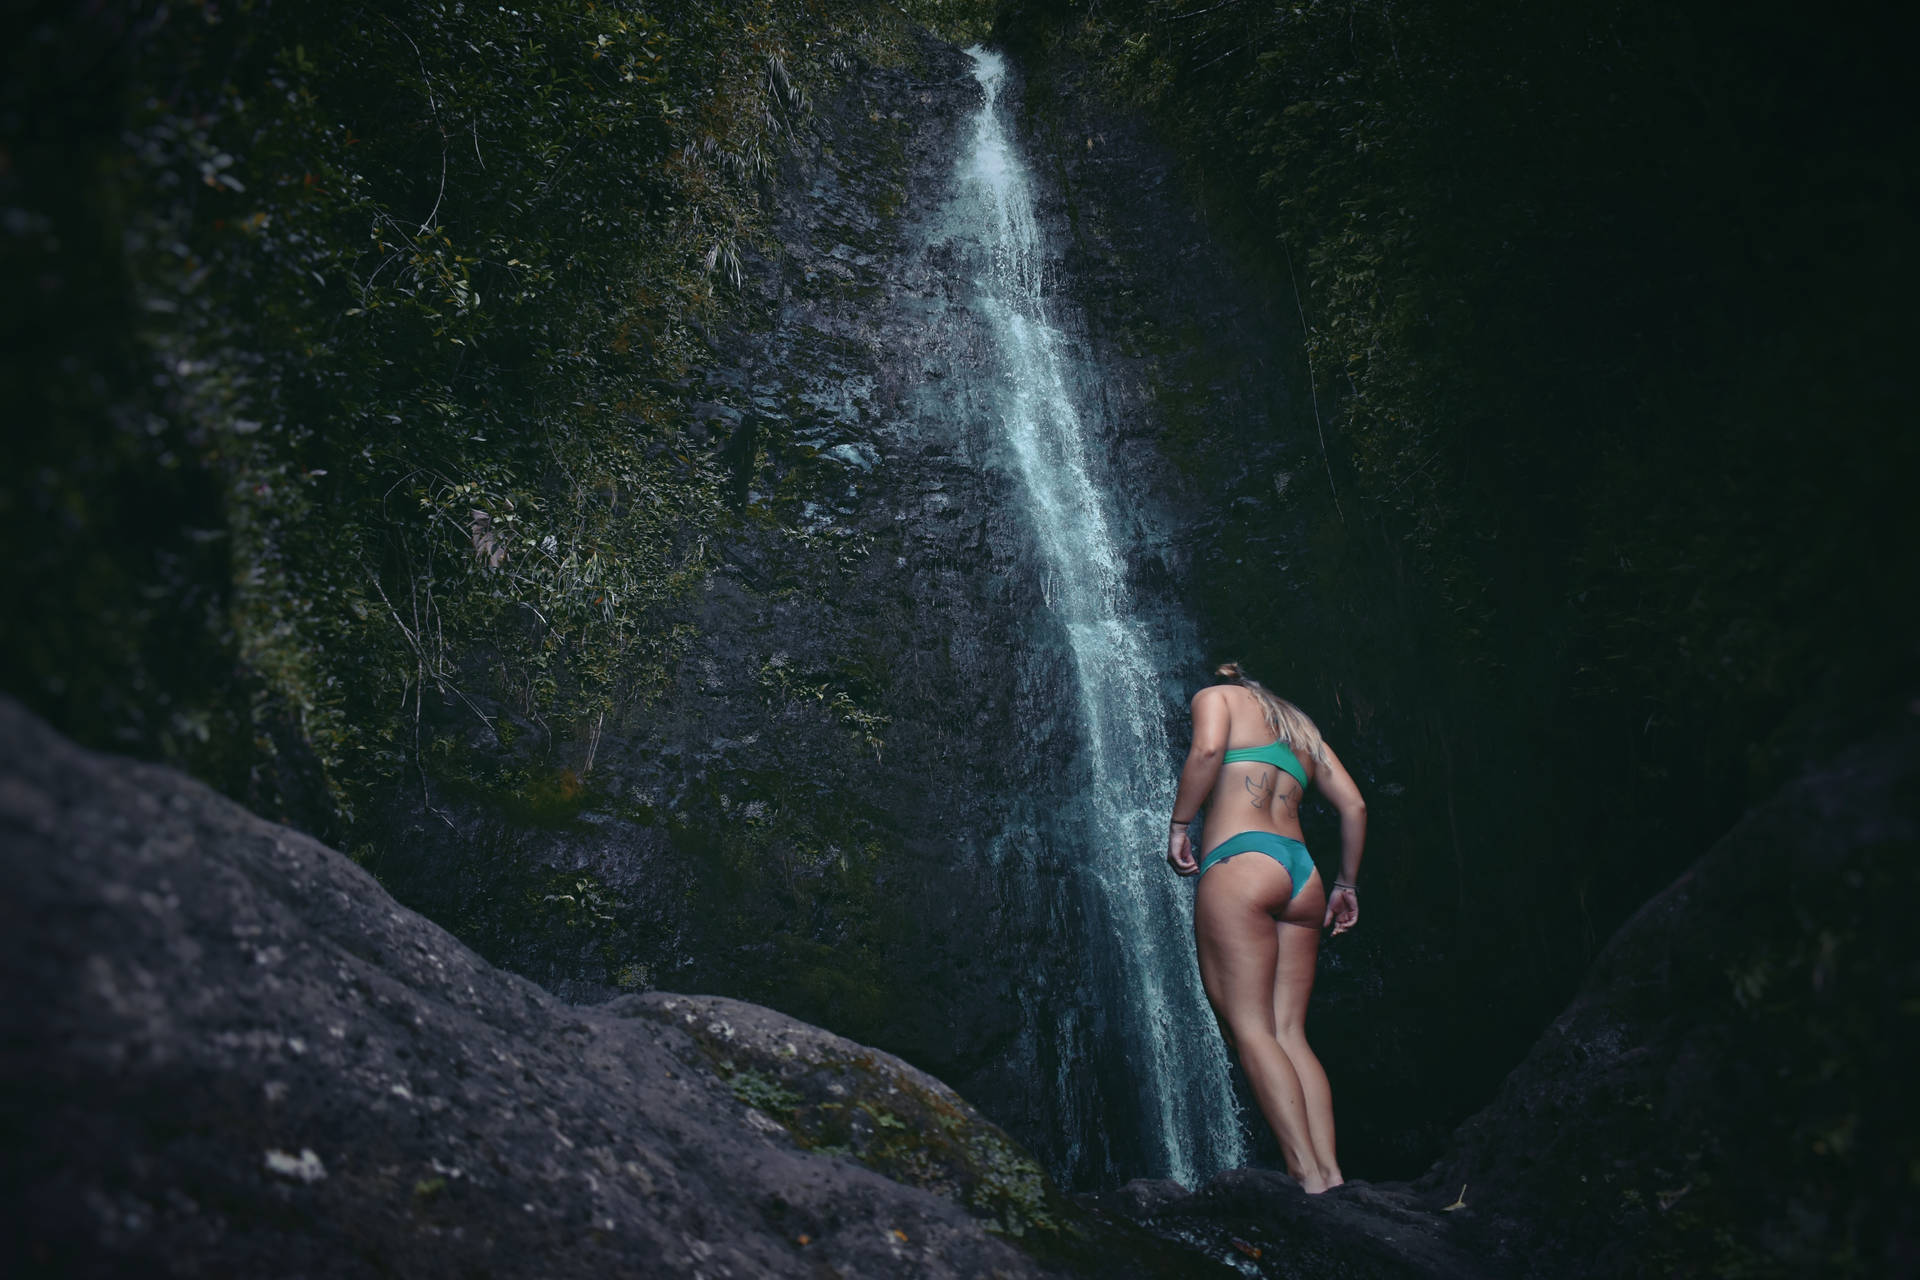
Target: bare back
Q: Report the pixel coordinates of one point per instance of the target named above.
(1251, 795)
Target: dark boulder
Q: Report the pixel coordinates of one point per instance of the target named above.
(1262, 1223)
(1731, 1092)
(225, 1050)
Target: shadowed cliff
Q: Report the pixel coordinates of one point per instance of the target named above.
(729, 645)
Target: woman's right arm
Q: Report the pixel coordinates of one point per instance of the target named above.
(1197, 775)
(1337, 785)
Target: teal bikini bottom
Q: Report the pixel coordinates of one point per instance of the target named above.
(1285, 850)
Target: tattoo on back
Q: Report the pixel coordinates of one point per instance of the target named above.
(1260, 787)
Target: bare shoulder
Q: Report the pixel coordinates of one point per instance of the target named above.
(1211, 694)
(1215, 699)
(1212, 707)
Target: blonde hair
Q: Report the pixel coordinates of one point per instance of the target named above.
(1289, 723)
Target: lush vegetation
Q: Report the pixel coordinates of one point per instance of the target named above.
(351, 356)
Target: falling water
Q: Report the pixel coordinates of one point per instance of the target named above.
(1151, 1027)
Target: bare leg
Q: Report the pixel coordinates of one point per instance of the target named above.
(1233, 922)
(1297, 944)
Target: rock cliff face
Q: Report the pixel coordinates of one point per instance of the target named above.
(876, 698)
(225, 1050)
(800, 816)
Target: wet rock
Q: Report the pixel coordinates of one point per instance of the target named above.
(1261, 1223)
(712, 411)
(225, 1050)
(859, 455)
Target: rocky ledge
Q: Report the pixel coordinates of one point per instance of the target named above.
(226, 1050)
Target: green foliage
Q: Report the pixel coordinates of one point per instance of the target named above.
(414, 286)
(1012, 1190)
(961, 21)
(576, 899)
(788, 691)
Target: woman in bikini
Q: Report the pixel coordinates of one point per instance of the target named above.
(1260, 904)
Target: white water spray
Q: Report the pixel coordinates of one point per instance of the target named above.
(1139, 932)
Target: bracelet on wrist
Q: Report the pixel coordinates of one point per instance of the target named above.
(1346, 884)
(1175, 822)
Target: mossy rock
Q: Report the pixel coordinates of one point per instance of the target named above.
(840, 1099)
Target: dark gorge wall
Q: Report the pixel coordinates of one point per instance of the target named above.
(1549, 532)
(601, 551)
(797, 813)
(1582, 510)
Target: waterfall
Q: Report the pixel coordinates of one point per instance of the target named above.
(1138, 1059)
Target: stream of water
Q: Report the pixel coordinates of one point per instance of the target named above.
(1158, 1066)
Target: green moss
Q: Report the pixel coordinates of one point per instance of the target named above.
(545, 796)
(764, 1093)
(1012, 1190)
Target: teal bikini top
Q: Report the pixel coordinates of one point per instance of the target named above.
(1276, 753)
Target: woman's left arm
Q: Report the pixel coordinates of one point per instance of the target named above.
(1197, 776)
(1338, 786)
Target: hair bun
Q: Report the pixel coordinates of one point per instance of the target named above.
(1229, 671)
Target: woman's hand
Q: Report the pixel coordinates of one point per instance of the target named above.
(1180, 850)
(1343, 908)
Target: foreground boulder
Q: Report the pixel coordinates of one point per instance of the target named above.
(225, 1050)
(1732, 1091)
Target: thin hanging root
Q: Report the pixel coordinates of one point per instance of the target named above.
(1460, 1203)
